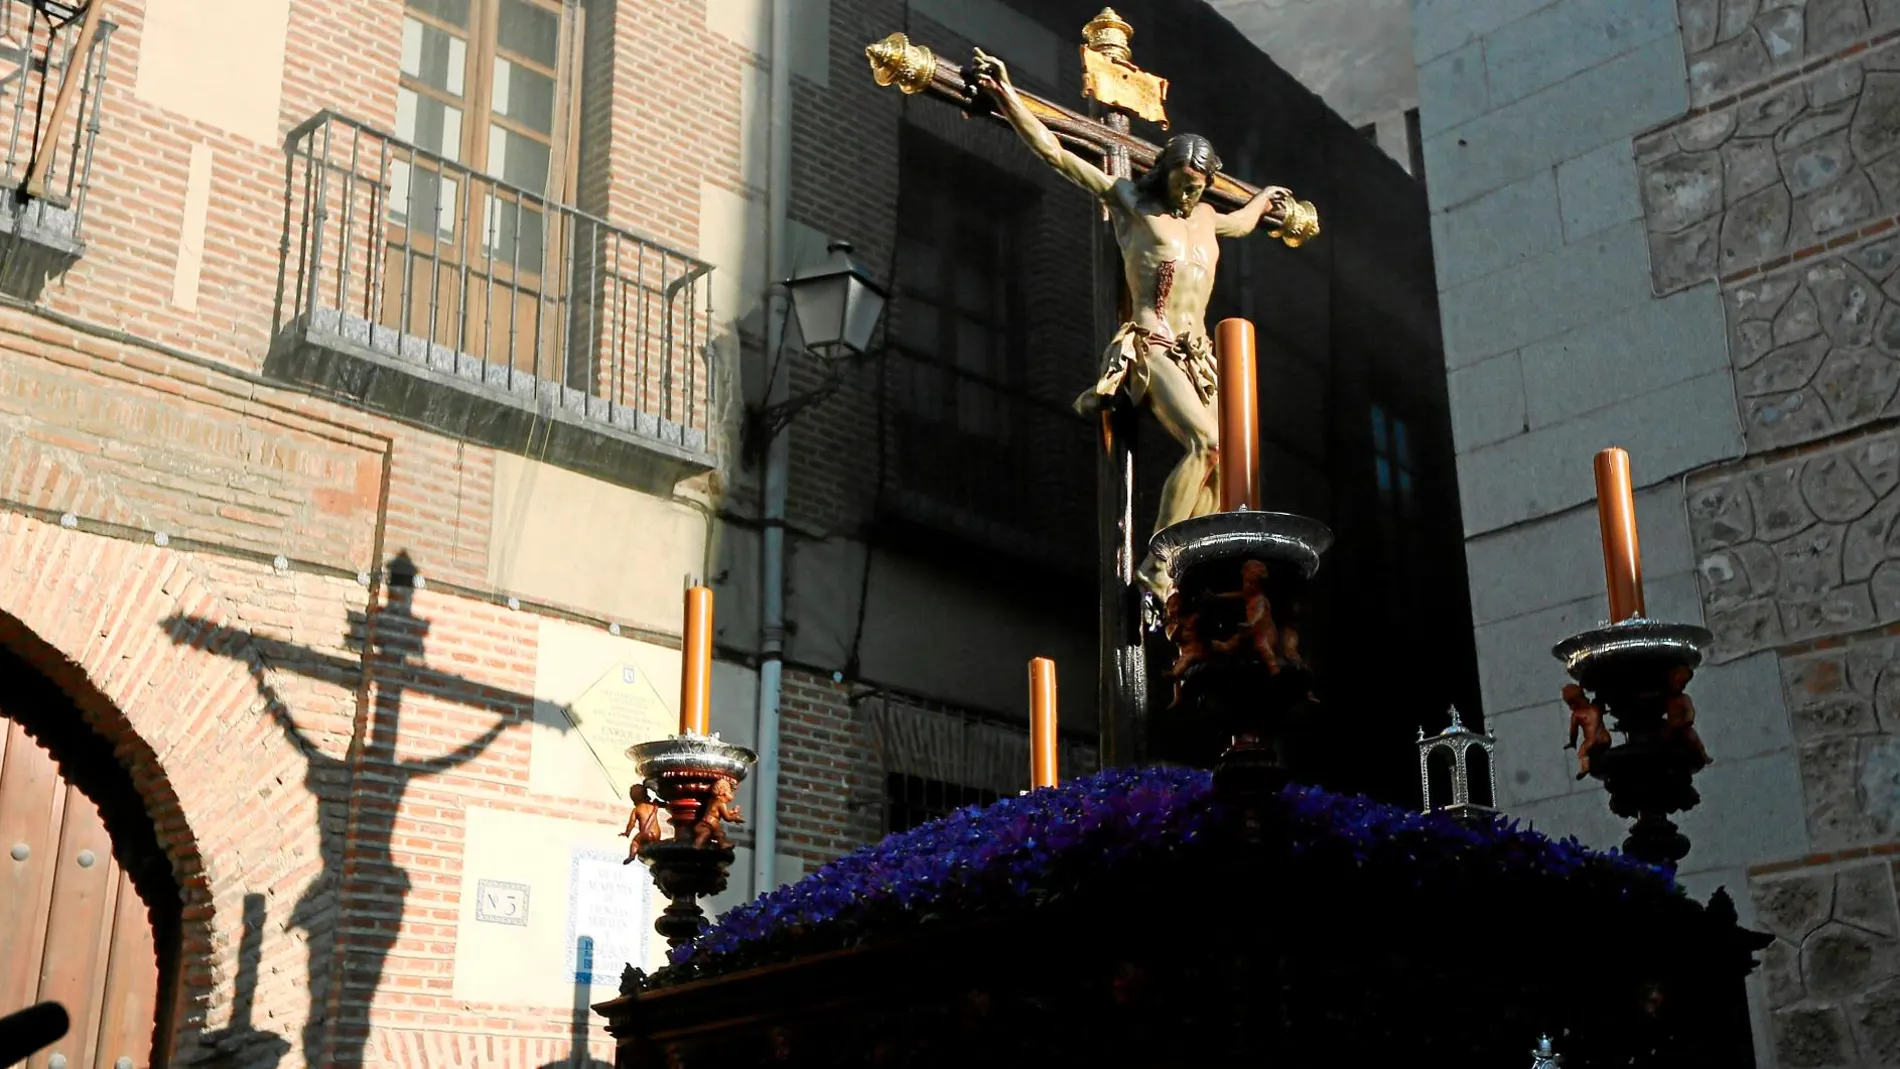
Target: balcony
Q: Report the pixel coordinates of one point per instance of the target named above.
(990, 466)
(420, 288)
(50, 93)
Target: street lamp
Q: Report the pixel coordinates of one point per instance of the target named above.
(838, 304)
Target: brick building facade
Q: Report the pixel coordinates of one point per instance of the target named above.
(375, 376)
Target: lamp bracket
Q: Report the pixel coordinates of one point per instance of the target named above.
(766, 422)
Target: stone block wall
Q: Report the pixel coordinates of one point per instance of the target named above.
(1832, 975)
(1775, 173)
(1674, 233)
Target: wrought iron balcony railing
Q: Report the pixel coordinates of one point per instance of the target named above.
(415, 284)
(989, 464)
(45, 59)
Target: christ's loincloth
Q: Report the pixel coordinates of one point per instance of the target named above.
(1125, 366)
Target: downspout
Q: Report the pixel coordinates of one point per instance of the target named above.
(774, 488)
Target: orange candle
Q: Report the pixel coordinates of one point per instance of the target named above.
(1239, 416)
(696, 663)
(1616, 512)
(1042, 722)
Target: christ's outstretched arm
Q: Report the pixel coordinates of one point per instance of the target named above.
(993, 76)
(1241, 222)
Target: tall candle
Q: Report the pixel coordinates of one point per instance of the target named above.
(1239, 416)
(1042, 722)
(1616, 512)
(696, 663)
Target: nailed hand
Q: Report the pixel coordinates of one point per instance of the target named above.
(990, 72)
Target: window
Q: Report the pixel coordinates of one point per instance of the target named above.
(959, 319)
(1394, 479)
(913, 800)
(487, 96)
(1392, 461)
(958, 330)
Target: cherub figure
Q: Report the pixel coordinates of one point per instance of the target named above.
(710, 829)
(644, 824)
(1261, 632)
(1585, 720)
(1290, 645)
(1679, 716)
(1182, 629)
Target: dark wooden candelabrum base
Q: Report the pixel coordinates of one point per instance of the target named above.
(1242, 690)
(1633, 675)
(691, 776)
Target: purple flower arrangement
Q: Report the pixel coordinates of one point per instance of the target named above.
(1021, 852)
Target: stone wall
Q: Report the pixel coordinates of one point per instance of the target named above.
(1735, 326)
(1832, 976)
(1774, 173)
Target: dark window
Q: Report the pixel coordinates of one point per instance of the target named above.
(959, 314)
(1415, 145)
(1393, 475)
(962, 423)
(913, 800)
(1392, 460)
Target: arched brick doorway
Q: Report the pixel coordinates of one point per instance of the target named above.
(89, 911)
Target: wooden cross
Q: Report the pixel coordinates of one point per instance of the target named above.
(1116, 89)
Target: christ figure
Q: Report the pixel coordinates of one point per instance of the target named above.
(1161, 358)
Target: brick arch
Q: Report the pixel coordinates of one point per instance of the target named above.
(88, 613)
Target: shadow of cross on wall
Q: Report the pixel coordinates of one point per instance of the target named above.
(358, 795)
(241, 1042)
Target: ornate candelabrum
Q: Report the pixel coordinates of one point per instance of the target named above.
(1239, 579)
(694, 778)
(1634, 670)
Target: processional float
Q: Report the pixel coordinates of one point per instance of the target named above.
(1278, 921)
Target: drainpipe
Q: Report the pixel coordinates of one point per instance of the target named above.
(774, 487)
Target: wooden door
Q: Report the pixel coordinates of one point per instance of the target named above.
(72, 928)
(477, 257)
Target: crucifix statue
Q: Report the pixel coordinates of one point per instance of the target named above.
(1156, 351)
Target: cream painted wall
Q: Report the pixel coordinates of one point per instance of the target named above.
(219, 62)
(531, 886)
(575, 541)
(748, 23)
(597, 694)
(732, 239)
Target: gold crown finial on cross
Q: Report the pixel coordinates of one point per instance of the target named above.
(1108, 33)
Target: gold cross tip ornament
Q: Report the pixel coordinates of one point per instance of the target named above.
(896, 61)
(1299, 224)
(1109, 74)
(1109, 34)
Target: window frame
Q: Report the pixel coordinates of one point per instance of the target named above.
(482, 49)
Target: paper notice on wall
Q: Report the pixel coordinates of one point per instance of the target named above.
(609, 916)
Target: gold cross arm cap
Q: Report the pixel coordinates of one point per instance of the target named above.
(896, 61)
